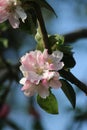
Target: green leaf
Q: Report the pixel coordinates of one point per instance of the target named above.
(69, 61)
(57, 43)
(4, 41)
(4, 26)
(56, 40)
(30, 23)
(69, 92)
(40, 46)
(42, 3)
(49, 104)
(39, 40)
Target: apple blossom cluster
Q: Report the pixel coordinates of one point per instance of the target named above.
(11, 10)
(40, 71)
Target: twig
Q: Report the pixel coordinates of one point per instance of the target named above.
(70, 77)
(12, 124)
(72, 37)
(42, 26)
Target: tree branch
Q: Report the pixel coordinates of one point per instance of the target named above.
(42, 26)
(72, 37)
(70, 77)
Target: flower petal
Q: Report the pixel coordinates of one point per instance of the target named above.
(3, 10)
(30, 91)
(45, 82)
(19, 10)
(55, 83)
(14, 20)
(33, 77)
(22, 81)
(43, 91)
(57, 55)
(48, 74)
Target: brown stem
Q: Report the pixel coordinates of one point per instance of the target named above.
(70, 77)
(42, 26)
(73, 36)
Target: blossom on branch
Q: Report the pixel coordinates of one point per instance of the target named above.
(11, 10)
(40, 71)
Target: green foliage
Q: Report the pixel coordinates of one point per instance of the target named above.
(69, 92)
(57, 43)
(40, 45)
(14, 38)
(3, 26)
(69, 61)
(30, 23)
(55, 40)
(41, 3)
(49, 104)
(4, 42)
(39, 40)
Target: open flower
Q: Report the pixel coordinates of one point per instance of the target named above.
(11, 10)
(40, 72)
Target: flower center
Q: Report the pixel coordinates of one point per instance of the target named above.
(50, 60)
(39, 71)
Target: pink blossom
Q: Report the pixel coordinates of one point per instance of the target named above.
(11, 10)
(40, 71)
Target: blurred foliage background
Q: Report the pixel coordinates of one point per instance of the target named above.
(18, 112)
